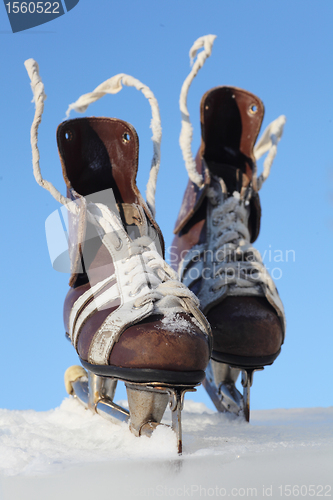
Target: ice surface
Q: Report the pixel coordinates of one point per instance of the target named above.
(70, 453)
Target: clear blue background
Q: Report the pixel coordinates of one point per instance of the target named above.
(282, 52)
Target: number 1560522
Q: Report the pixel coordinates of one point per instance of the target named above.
(33, 7)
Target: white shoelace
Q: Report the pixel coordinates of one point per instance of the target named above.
(148, 276)
(266, 144)
(238, 263)
(186, 134)
(111, 86)
(158, 283)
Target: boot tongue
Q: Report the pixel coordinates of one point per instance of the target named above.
(134, 220)
(232, 176)
(98, 154)
(230, 123)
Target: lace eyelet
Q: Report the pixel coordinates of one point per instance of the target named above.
(69, 135)
(253, 109)
(126, 137)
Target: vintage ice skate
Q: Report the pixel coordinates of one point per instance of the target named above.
(126, 313)
(218, 220)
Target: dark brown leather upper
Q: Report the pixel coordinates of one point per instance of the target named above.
(230, 122)
(245, 326)
(98, 154)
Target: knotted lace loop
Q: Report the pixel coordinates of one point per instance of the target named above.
(111, 86)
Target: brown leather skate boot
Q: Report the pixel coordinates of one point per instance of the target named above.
(119, 313)
(214, 230)
(127, 314)
(212, 252)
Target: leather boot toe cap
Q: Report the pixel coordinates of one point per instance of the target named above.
(175, 344)
(245, 326)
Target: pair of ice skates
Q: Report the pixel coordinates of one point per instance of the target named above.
(129, 315)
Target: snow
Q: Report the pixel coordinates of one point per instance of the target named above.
(175, 323)
(70, 453)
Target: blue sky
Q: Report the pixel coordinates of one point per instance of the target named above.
(280, 51)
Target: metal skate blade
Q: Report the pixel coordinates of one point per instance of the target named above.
(176, 401)
(100, 388)
(247, 381)
(146, 407)
(147, 403)
(104, 407)
(220, 385)
(231, 397)
(95, 393)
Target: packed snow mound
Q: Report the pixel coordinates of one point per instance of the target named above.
(71, 446)
(40, 442)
